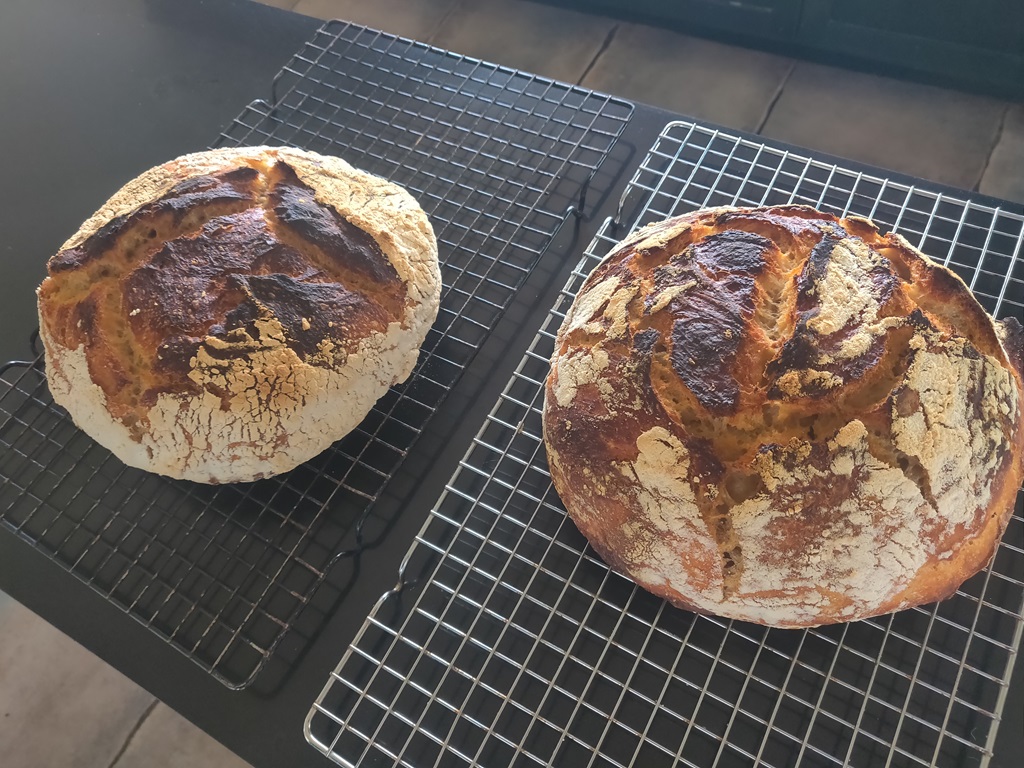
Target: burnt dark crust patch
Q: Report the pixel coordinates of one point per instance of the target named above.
(667, 276)
(807, 350)
(710, 318)
(644, 342)
(799, 353)
(309, 312)
(884, 276)
(235, 186)
(697, 358)
(185, 285)
(733, 251)
(300, 307)
(919, 320)
(174, 356)
(87, 312)
(296, 208)
(225, 278)
(704, 461)
(814, 271)
(72, 258)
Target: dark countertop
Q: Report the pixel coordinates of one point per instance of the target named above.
(94, 93)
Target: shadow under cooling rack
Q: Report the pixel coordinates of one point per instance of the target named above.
(512, 643)
(496, 158)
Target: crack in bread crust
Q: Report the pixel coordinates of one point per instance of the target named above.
(829, 390)
(231, 313)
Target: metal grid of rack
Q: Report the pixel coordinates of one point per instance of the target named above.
(496, 157)
(511, 643)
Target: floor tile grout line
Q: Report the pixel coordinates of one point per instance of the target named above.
(135, 729)
(995, 143)
(600, 52)
(775, 97)
(441, 22)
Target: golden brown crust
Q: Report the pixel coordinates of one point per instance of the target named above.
(779, 416)
(230, 273)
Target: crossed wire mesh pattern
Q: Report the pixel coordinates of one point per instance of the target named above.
(495, 157)
(511, 643)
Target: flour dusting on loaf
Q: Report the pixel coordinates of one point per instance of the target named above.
(230, 314)
(779, 416)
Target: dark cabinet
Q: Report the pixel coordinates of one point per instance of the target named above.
(773, 19)
(974, 45)
(977, 46)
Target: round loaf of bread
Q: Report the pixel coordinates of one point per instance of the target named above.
(782, 417)
(230, 314)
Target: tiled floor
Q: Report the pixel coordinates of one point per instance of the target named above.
(61, 706)
(924, 131)
(1004, 174)
(730, 86)
(968, 141)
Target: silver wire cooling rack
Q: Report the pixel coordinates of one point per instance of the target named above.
(509, 642)
(496, 158)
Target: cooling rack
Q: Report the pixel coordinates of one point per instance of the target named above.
(509, 642)
(498, 159)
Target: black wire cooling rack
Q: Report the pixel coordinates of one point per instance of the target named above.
(498, 159)
(512, 643)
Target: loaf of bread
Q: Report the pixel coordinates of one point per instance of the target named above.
(230, 314)
(786, 418)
